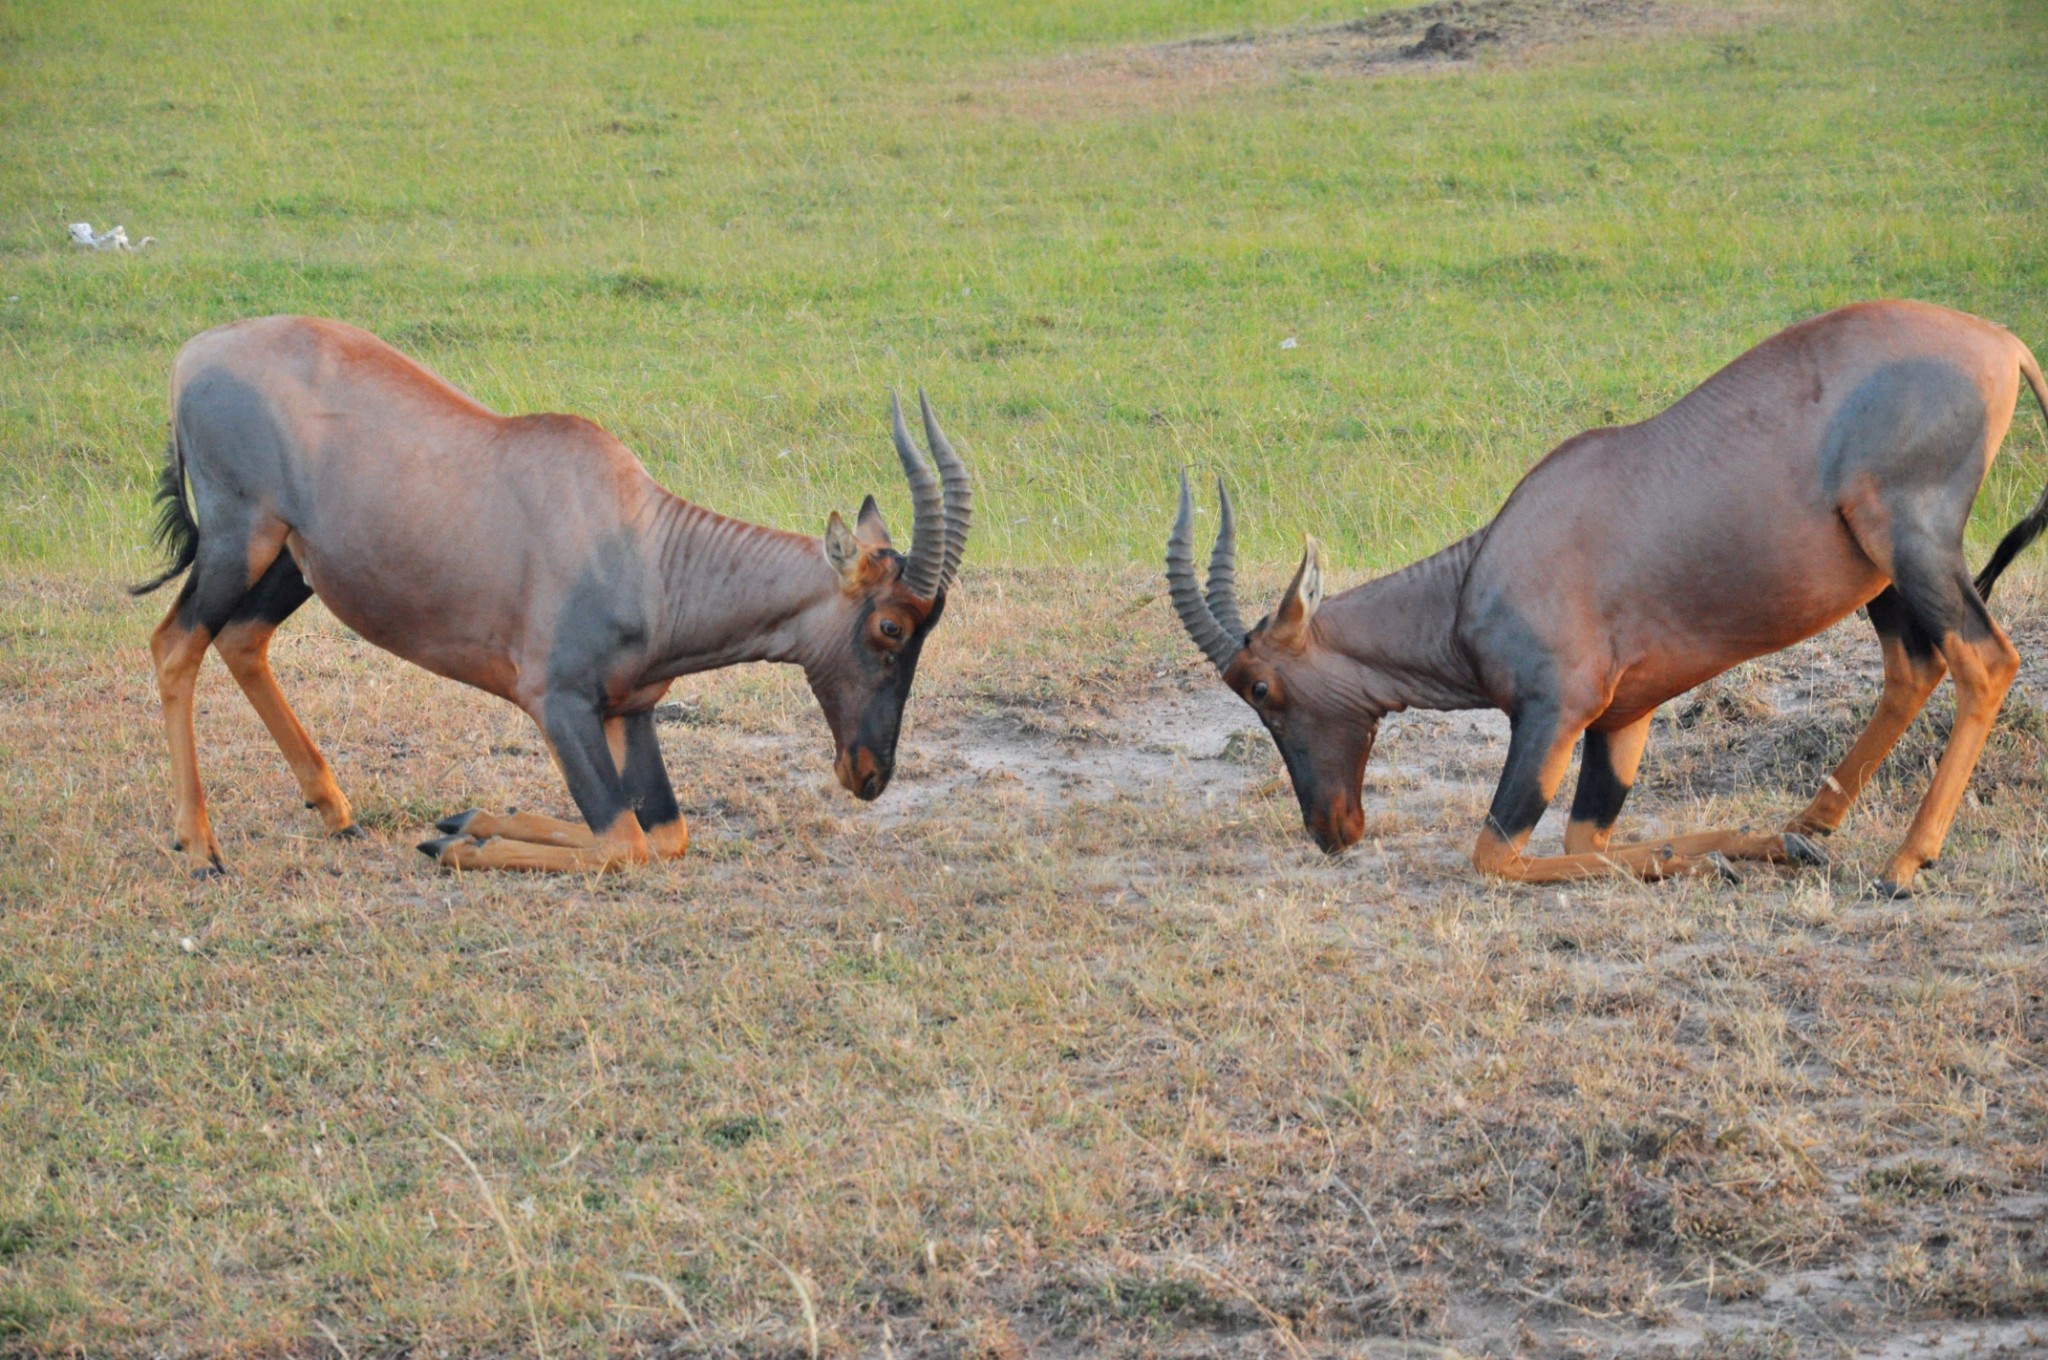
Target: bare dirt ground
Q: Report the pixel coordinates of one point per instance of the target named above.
(1438, 36)
(1070, 1045)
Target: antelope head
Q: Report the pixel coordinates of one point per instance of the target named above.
(887, 603)
(1306, 693)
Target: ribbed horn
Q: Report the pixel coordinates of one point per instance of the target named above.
(927, 512)
(1222, 591)
(1194, 613)
(959, 492)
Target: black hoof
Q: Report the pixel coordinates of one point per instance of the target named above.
(352, 832)
(457, 823)
(207, 871)
(1723, 870)
(432, 849)
(1884, 890)
(1801, 851)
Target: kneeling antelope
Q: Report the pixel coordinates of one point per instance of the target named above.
(1832, 466)
(530, 556)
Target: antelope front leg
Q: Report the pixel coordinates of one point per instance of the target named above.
(619, 845)
(578, 735)
(531, 827)
(1764, 847)
(637, 757)
(1539, 749)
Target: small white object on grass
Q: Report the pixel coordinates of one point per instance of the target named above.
(1290, 343)
(116, 239)
(189, 945)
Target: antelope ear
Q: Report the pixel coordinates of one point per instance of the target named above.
(1290, 621)
(842, 549)
(868, 526)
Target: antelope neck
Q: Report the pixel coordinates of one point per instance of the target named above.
(728, 591)
(1402, 631)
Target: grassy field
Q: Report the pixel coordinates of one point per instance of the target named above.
(1071, 1045)
(724, 235)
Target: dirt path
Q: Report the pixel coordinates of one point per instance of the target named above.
(1765, 734)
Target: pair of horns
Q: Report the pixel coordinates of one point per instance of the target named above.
(942, 505)
(1210, 615)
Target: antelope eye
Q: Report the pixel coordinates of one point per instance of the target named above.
(891, 628)
(1259, 692)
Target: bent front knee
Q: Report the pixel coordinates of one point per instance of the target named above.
(1495, 855)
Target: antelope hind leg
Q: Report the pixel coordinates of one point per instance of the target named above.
(1984, 668)
(1913, 666)
(244, 645)
(177, 648)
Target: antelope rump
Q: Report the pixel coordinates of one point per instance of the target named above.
(532, 557)
(1831, 467)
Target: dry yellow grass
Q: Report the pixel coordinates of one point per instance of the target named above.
(1071, 1045)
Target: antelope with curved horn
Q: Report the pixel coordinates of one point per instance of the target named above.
(1832, 466)
(530, 556)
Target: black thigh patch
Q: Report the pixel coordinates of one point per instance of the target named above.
(1893, 619)
(277, 593)
(1939, 595)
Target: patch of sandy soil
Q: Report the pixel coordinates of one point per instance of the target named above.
(1779, 722)
(1438, 36)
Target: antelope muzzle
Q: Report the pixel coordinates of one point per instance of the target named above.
(1329, 783)
(863, 772)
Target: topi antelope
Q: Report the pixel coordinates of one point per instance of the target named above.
(529, 556)
(1832, 466)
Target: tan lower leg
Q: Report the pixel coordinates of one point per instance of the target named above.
(1653, 861)
(1983, 671)
(622, 843)
(1769, 847)
(1701, 855)
(246, 650)
(670, 840)
(1907, 683)
(665, 841)
(177, 652)
(530, 827)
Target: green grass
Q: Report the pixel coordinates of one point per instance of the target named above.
(723, 234)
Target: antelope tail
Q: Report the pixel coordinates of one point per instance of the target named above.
(2027, 530)
(176, 532)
